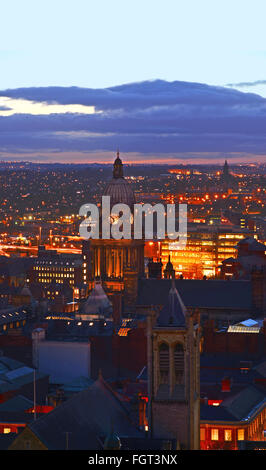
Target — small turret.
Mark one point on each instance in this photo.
(169, 272)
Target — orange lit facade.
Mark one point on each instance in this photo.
(16, 425)
(111, 259)
(207, 247)
(180, 171)
(152, 249)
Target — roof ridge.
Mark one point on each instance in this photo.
(114, 394)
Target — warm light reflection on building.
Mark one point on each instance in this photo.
(206, 248)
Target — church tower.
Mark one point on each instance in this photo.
(226, 179)
(174, 368)
(226, 169)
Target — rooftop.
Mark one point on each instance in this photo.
(174, 312)
(196, 293)
(88, 415)
(240, 407)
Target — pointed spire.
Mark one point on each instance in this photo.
(174, 311)
(226, 168)
(169, 271)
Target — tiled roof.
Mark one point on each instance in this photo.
(86, 416)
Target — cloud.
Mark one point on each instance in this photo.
(247, 84)
(134, 95)
(10, 106)
(153, 118)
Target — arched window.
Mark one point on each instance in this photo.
(179, 363)
(164, 363)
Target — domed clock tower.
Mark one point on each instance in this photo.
(118, 263)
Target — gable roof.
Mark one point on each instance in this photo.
(244, 403)
(87, 416)
(238, 407)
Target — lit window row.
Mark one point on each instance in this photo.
(225, 434)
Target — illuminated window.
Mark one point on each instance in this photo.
(7, 430)
(240, 435)
(227, 435)
(215, 434)
(202, 434)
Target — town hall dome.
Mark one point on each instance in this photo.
(118, 188)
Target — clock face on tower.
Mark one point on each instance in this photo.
(114, 219)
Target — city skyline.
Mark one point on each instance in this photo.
(169, 332)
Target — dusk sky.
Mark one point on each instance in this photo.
(174, 57)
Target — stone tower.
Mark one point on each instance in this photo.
(174, 369)
(116, 262)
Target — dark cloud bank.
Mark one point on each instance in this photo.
(153, 118)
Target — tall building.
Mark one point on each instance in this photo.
(227, 180)
(226, 169)
(50, 266)
(207, 246)
(118, 263)
(173, 365)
